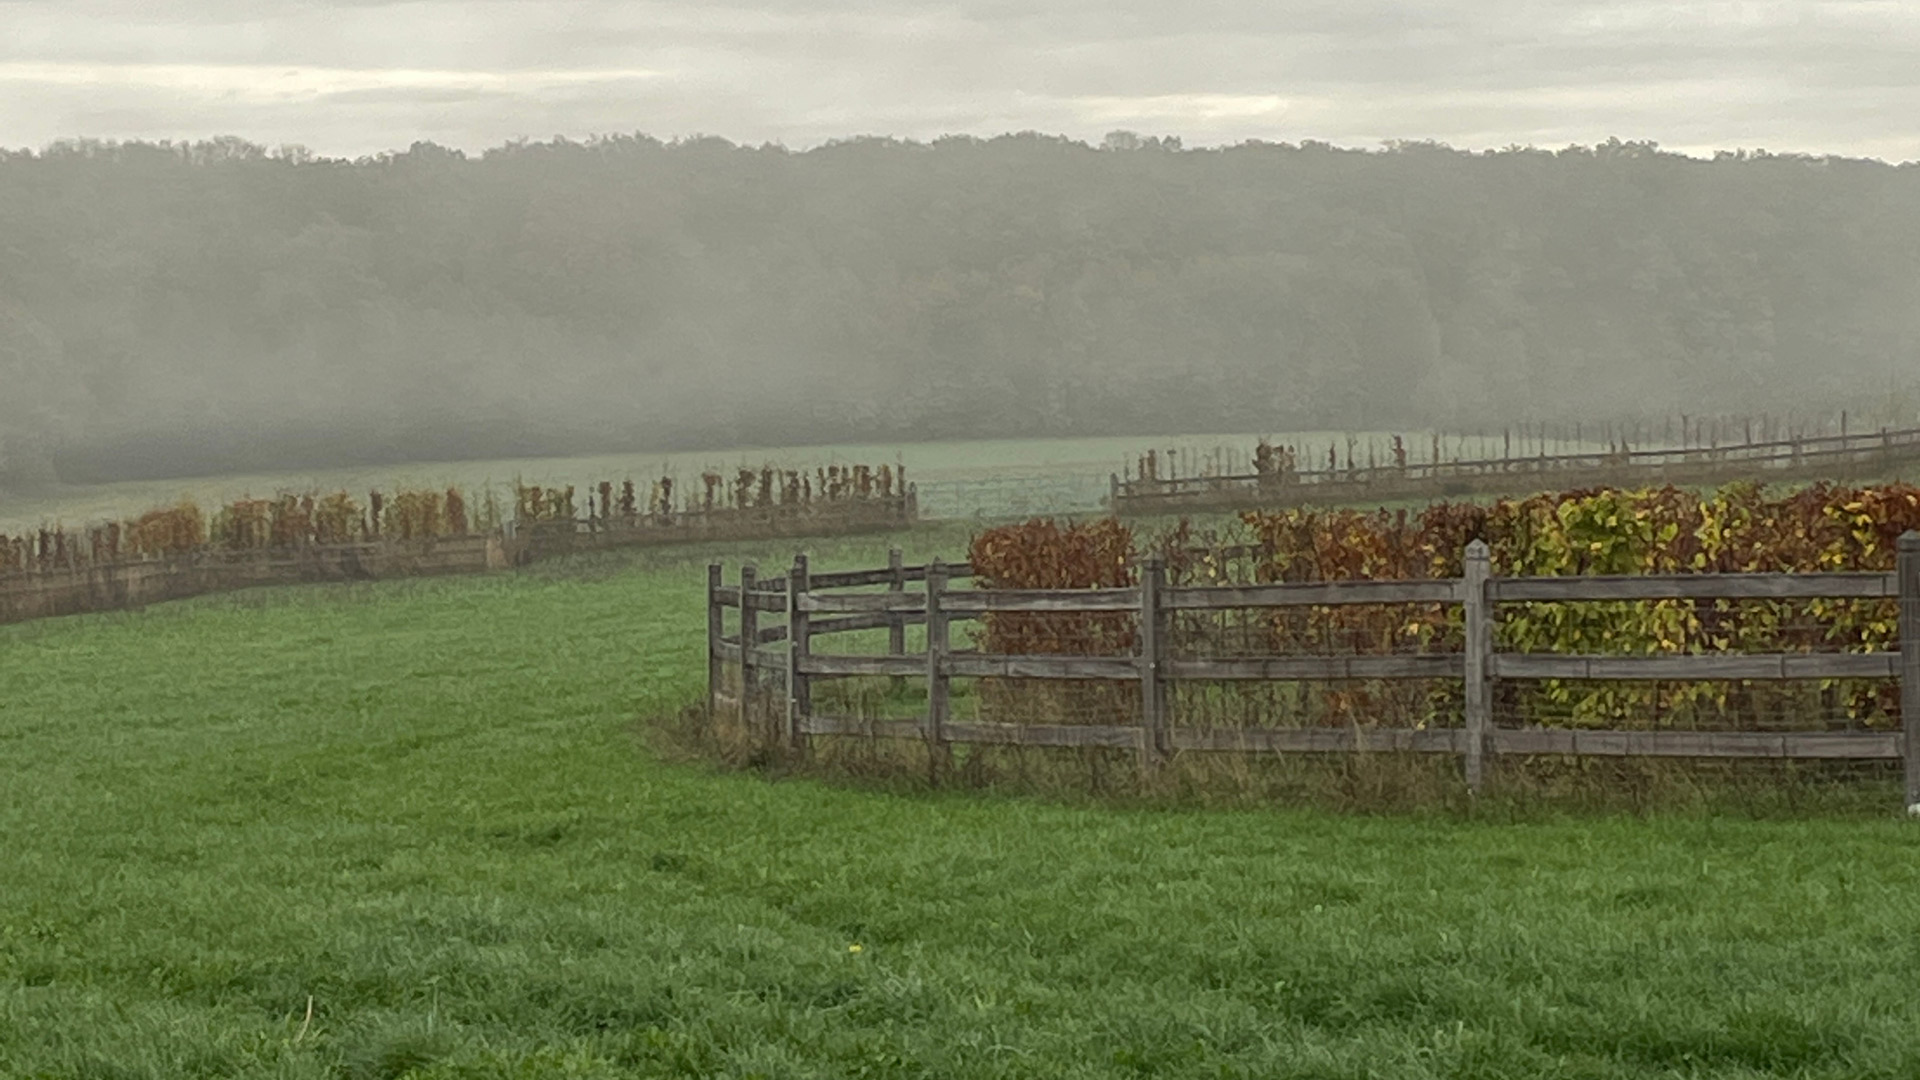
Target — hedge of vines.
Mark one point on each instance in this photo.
(284, 522)
(1739, 528)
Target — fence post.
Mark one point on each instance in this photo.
(749, 638)
(1479, 655)
(799, 693)
(937, 682)
(896, 622)
(1910, 663)
(1153, 654)
(716, 629)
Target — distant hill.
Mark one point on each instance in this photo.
(180, 308)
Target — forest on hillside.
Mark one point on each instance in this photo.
(179, 308)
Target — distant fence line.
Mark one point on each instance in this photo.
(134, 582)
(75, 583)
(531, 541)
(1281, 483)
(802, 607)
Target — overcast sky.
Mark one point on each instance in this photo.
(349, 77)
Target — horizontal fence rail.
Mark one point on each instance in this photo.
(1700, 587)
(808, 615)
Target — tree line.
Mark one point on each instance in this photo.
(176, 308)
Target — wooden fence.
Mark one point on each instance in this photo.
(531, 541)
(134, 582)
(801, 608)
(1824, 457)
(78, 583)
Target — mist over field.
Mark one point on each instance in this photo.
(177, 309)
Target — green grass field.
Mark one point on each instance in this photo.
(427, 808)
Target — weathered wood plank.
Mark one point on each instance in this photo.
(939, 688)
(799, 645)
(1477, 698)
(1300, 668)
(1708, 744)
(1117, 736)
(842, 666)
(1152, 662)
(770, 660)
(861, 603)
(1040, 600)
(896, 623)
(879, 620)
(1808, 745)
(727, 595)
(977, 666)
(1697, 587)
(1319, 740)
(1695, 668)
(1315, 593)
(749, 634)
(728, 651)
(1909, 576)
(1882, 665)
(872, 729)
(716, 631)
(766, 600)
(847, 579)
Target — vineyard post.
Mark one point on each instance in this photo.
(897, 622)
(937, 684)
(1910, 663)
(1479, 649)
(799, 644)
(716, 626)
(1152, 660)
(749, 639)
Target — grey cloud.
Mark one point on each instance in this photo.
(408, 99)
(1810, 76)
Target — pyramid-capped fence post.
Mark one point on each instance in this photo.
(1909, 572)
(1479, 659)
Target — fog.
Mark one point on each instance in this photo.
(303, 292)
(198, 308)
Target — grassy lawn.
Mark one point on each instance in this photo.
(424, 808)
